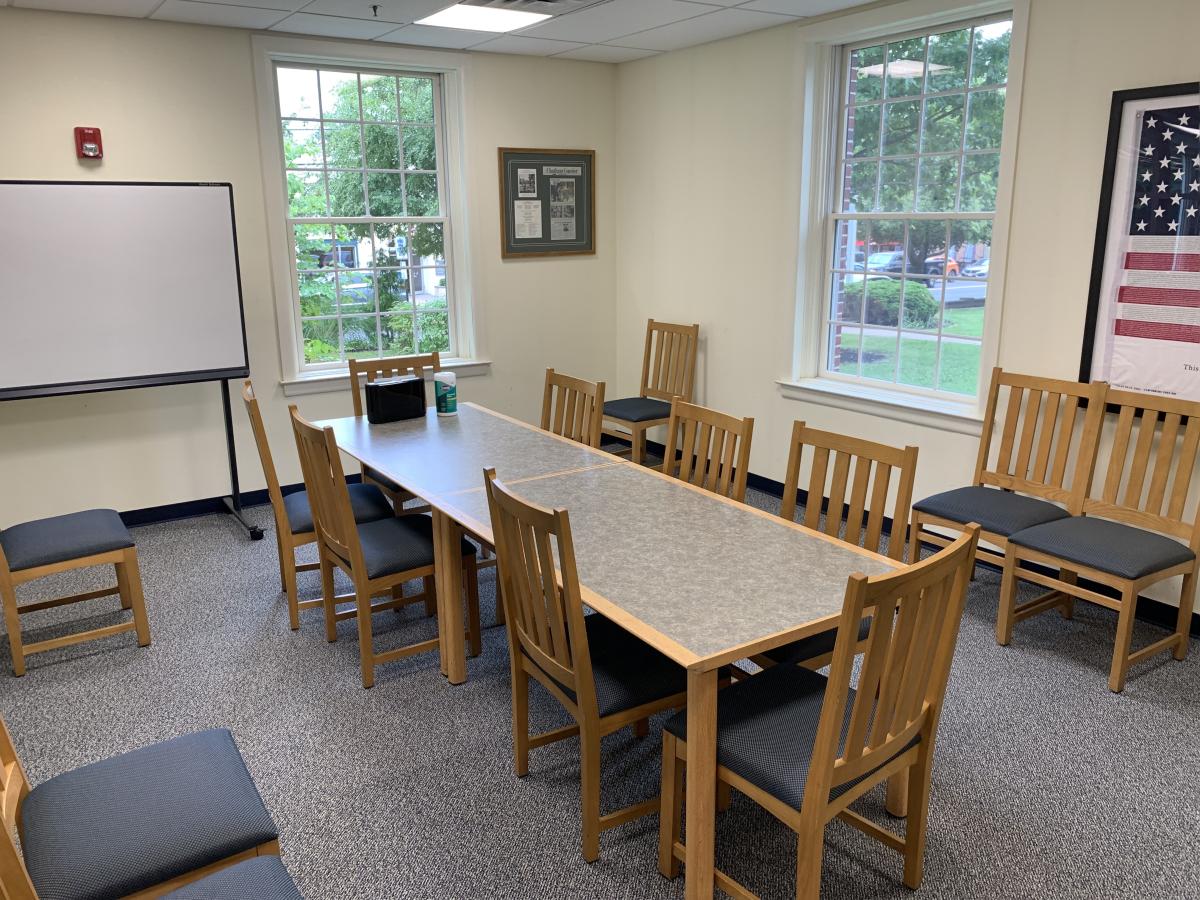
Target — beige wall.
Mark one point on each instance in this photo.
(177, 103)
(708, 151)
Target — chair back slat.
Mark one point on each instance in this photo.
(713, 449)
(390, 367)
(573, 408)
(865, 467)
(14, 787)
(328, 495)
(669, 361)
(1151, 466)
(542, 602)
(264, 452)
(915, 614)
(1039, 438)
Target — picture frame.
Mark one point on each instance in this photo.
(547, 202)
(1142, 329)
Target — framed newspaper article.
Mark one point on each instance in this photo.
(547, 202)
(1142, 331)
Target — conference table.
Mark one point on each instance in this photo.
(702, 578)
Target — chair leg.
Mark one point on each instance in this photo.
(589, 792)
(129, 582)
(724, 795)
(474, 629)
(429, 583)
(914, 538)
(287, 565)
(327, 598)
(670, 808)
(641, 727)
(520, 714)
(12, 621)
(1120, 660)
(366, 646)
(914, 834)
(1183, 625)
(1008, 599)
(1066, 576)
(637, 442)
(896, 800)
(810, 849)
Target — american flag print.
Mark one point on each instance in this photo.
(1147, 336)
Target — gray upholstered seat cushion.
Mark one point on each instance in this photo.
(379, 478)
(814, 646)
(997, 511)
(260, 878)
(399, 544)
(637, 409)
(766, 727)
(1111, 547)
(73, 536)
(628, 672)
(136, 820)
(366, 500)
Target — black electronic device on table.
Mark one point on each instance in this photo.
(393, 399)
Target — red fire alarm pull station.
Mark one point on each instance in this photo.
(87, 143)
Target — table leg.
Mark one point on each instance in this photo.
(447, 550)
(700, 807)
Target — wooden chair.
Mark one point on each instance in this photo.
(573, 408)
(866, 468)
(602, 675)
(804, 746)
(293, 513)
(139, 825)
(1033, 478)
(378, 557)
(668, 371)
(33, 550)
(1121, 540)
(366, 370)
(713, 449)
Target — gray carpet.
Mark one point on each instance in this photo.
(1046, 784)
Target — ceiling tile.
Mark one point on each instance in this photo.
(431, 36)
(803, 7)
(612, 20)
(282, 5)
(217, 14)
(333, 26)
(397, 11)
(102, 7)
(515, 43)
(714, 26)
(606, 53)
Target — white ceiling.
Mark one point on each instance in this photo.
(602, 31)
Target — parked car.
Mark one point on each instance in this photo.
(886, 261)
(977, 269)
(940, 265)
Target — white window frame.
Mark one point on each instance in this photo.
(822, 57)
(297, 378)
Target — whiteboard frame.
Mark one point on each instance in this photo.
(25, 392)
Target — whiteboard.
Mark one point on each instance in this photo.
(116, 285)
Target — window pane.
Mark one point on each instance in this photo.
(428, 244)
(356, 292)
(963, 307)
(905, 67)
(339, 95)
(306, 194)
(353, 246)
(383, 146)
(432, 332)
(980, 174)
(360, 336)
(959, 366)
(986, 121)
(386, 191)
(918, 360)
(990, 63)
(878, 354)
(948, 60)
(901, 124)
(896, 183)
(416, 99)
(927, 246)
(938, 183)
(321, 340)
(313, 246)
(847, 299)
(422, 195)
(343, 146)
(862, 138)
(882, 297)
(943, 124)
(866, 74)
(379, 98)
(346, 194)
(302, 144)
(863, 182)
(391, 245)
(398, 334)
(297, 93)
(844, 348)
(429, 288)
(419, 151)
(317, 297)
(391, 285)
(851, 240)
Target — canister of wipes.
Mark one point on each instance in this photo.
(445, 393)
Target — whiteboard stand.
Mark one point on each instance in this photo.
(233, 502)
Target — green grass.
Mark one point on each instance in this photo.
(918, 363)
(963, 321)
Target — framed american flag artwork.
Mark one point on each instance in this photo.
(1142, 330)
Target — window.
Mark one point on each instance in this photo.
(918, 161)
(367, 216)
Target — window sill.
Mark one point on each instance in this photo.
(945, 415)
(323, 382)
